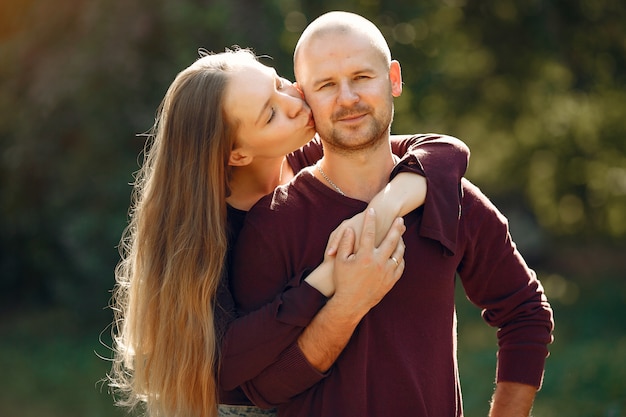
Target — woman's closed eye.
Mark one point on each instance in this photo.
(272, 114)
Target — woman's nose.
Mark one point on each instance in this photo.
(292, 90)
(293, 102)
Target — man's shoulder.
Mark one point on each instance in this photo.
(284, 199)
(477, 208)
(419, 138)
(472, 194)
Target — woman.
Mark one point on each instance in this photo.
(202, 171)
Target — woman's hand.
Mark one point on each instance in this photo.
(344, 247)
(355, 224)
(363, 277)
(403, 194)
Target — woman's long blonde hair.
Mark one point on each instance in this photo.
(173, 251)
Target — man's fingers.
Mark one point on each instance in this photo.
(391, 241)
(398, 255)
(399, 270)
(368, 235)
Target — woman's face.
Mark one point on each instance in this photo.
(271, 116)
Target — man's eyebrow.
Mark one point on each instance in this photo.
(365, 70)
(321, 80)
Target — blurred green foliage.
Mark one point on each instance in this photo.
(535, 87)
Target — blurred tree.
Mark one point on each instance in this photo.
(68, 113)
(536, 88)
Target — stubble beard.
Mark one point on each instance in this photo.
(350, 141)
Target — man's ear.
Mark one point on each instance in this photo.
(395, 75)
(238, 158)
(299, 90)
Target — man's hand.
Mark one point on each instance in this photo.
(361, 280)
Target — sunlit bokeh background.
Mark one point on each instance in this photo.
(536, 88)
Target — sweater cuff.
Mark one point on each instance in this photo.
(524, 366)
(296, 371)
(408, 163)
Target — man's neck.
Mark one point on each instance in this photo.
(359, 175)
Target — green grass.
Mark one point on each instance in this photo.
(51, 368)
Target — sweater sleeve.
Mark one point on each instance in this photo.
(443, 160)
(290, 375)
(258, 274)
(251, 340)
(497, 279)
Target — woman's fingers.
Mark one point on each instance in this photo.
(333, 240)
(345, 246)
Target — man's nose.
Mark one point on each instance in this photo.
(347, 94)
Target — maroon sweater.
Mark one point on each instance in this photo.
(268, 335)
(401, 359)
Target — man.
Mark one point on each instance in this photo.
(401, 359)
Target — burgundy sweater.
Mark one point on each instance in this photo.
(401, 360)
(268, 335)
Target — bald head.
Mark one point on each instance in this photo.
(342, 23)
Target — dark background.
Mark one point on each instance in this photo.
(535, 88)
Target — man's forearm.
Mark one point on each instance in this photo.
(323, 340)
(362, 280)
(512, 399)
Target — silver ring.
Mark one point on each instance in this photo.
(395, 260)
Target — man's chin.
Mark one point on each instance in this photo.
(355, 141)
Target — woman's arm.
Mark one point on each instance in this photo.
(407, 189)
(250, 342)
(360, 279)
(404, 193)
